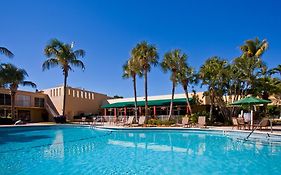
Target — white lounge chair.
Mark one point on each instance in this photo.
(141, 121)
(130, 121)
(201, 122)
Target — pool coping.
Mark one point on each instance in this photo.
(118, 128)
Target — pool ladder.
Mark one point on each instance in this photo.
(255, 128)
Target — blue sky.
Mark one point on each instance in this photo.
(107, 30)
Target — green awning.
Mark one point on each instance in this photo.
(166, 102)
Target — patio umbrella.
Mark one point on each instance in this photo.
(251, 101)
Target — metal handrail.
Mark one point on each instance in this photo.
(255, 128)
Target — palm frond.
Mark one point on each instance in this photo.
(28, 83)
(52, 62)
(6, 52)
(77, 63)
(79, 53)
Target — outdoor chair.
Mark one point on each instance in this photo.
(241, 123)
(201, 122)
(83, 120)
(185, 122)
(234, 122)
(130, 121)
(237, 123)
(264, 123)
(141, 121)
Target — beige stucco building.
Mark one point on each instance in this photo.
(44, 105)
(30, 106)
(78, 101)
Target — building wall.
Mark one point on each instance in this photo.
(36, 113)
(77, 100)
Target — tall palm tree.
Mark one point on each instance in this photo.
(212, 74)
(251, 62)
(6, 52)
(62, 54)
(12, 77)
(130, 70)
(173, 61)
(147, 55)
(186, 76)
(254, 48)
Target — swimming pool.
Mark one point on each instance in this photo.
(82, 150)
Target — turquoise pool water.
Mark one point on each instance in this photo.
(81, 150)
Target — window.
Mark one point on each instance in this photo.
(82, 94)
(5, 99)
(39, 102)
(23, 100)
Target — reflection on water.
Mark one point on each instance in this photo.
(190, 143)
(162, 142)
(56, 149)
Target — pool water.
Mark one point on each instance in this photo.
(82, 150)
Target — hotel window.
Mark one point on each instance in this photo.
(5, 99)
(77, 94)
(39, 102)
(82, 94)
(23, 100)
(86, 95)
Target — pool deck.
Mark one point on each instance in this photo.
(276, 130)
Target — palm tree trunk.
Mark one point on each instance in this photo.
(145, 92)
(172, 99)
(212, 106)
(187, 100)
(64, 93)
(135, 95)
(13, 100)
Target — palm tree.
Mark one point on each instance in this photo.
(251, 62)
(130, 70)
(212, 74)
(276, 70)
(12, 77)
(254, 48)
(186, 76)
(63, 55)
(147, 55)
(173, 61)
(6, 52)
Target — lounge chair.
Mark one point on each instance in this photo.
(83, 120)
(238, 124)
(130, 121)
(141, 121)
(241, 123)
(201, 122)
(264, 123)
(234, 122)
(185, 122)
